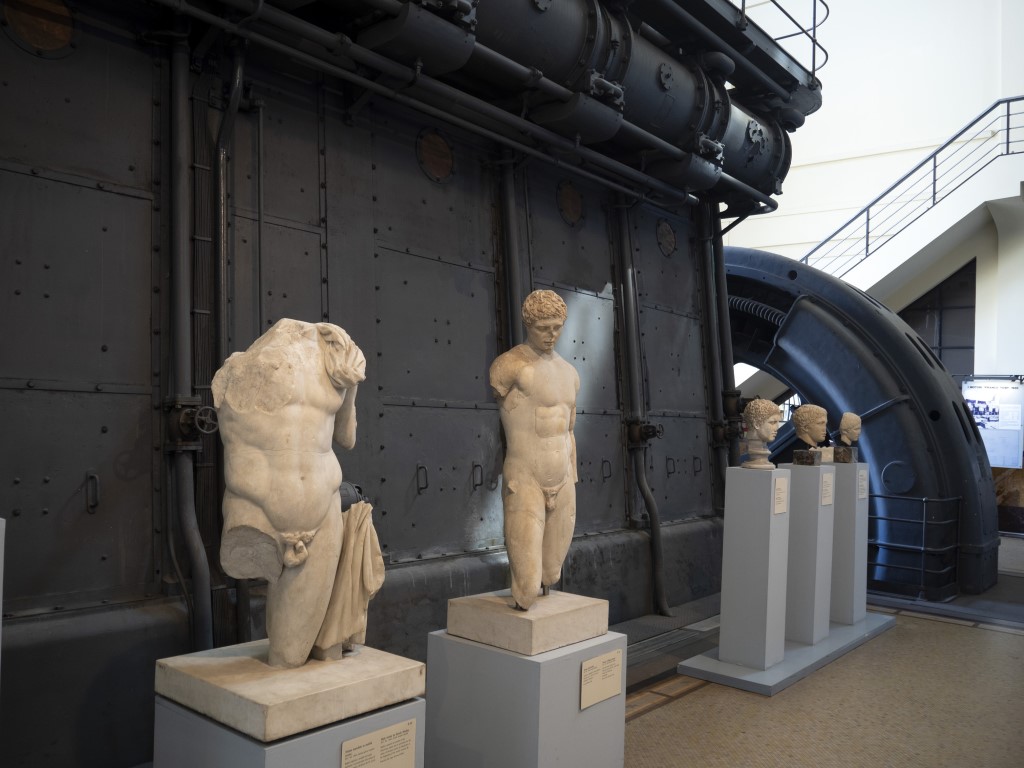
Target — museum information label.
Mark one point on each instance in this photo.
(391, 747)
(827, 488)
(781, 496)
(601, 678)
(862, 484)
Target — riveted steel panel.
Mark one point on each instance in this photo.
(588, 343)
(679, 467)
(72, 114)
(674, 360)
(77, 496)
(291, 154)
(435, 329)
(666, 274)
(563, 252)
(420, 206)
(439, 489)
(288, 267)
(78, 292)
(600, 494)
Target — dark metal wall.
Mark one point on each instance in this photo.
(342, 206)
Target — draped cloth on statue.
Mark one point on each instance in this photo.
(360, 575)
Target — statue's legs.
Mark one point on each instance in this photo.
(561, 522)
(524, 538)
(297, 602)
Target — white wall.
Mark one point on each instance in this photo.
(902, 77)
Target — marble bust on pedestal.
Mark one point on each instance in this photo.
(811, 425)
(849, 434)
(536, 393)
(281, 404)
(762, 419)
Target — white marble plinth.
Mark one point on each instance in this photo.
(809, 576)
(554, 621)
(234, 686)
(754, 567)
(490, 707)
(800, 659)
(850, 544)
(184, 739)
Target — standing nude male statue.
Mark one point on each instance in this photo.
(536, 391)
(281, 404)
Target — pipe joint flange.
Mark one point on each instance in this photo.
(640, 432)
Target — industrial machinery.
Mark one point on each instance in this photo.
(177, 175)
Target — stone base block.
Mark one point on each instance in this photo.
(554, 621)
(395, 735)
(234, 686)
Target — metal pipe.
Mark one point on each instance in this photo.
(636, 406)
(334, 42)
(718, 43)
(657, 569)
(513, 268)
(181, 286)
(220, 185)
(730, 395)
(675, 195)
(709, 214)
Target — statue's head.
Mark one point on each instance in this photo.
(810, 423)
(343, 360)
(544, 314)
(763, 418)
(849, 428)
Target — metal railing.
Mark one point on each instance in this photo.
(996, 132)
(774, 18)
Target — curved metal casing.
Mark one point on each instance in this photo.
(840, 349)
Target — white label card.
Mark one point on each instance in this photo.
(601, 678)
(781, 504)
(827, 486)
(391, 747)
(862, 484)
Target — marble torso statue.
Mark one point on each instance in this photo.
(281, 404)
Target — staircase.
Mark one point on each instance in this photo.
(995, 133)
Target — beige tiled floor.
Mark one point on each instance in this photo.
(928, 693)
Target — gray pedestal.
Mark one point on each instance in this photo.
(850, 544)
(754, 563)
(801, 659)
(809, 577)
(491, 707)
(185, 739)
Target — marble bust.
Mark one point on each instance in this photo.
(536, 393)
(281, 404)
(762, 419)
(849, 428)
(811, 424)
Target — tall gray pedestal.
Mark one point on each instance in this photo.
(754, 564)
(185, 739)
(850, 544)
(490, 707)
(809, 577)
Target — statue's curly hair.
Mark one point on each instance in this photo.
(759, 411)
(543, 304)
